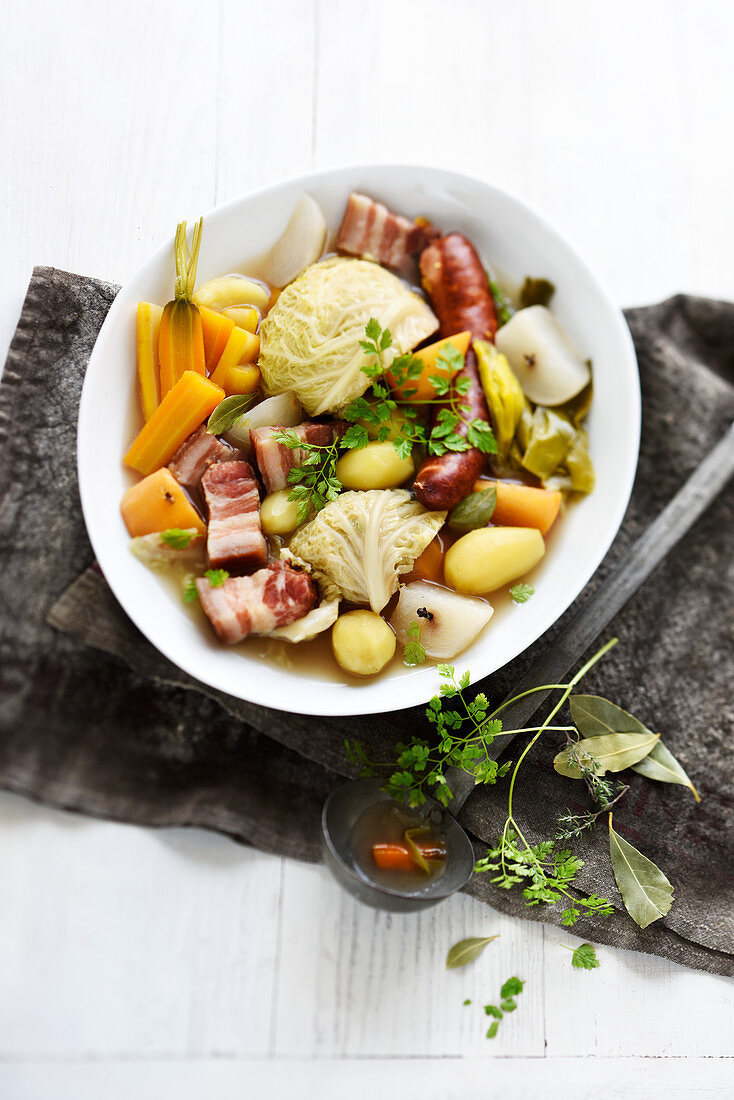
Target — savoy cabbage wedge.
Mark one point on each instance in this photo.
(360, 543)
(310, 339)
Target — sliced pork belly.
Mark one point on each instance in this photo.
(272, 597)
(195, 455)
(274, 460)
(370, 230)
(234, 536)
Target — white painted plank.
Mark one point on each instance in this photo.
(263, 98)
(409, 1079)
(116, 940)
(105, 148)
(353, 981)
(611, 122)
(642, 1005)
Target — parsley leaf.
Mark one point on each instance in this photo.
(521, 593)
(501, 304)
(413, 652)
(492, 1030)
(190, 591)
(492, 1010)
(177, 538)
(583, 957)
(216, 577)
(511, 988)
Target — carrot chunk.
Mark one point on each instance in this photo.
(523, 505)
(422, 385)
(392, 857)
(217, 330)
(148, 326)
(158, 503)
(241, 347)
(182, 410)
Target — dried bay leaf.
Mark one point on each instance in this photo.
(646, 892)
(473, 511)
(466, 951)
(595, 716)
(227, 411)
(660, 764)
(610, 752)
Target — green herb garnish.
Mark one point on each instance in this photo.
(314, 482)
(583, 957)
(502, 305)
(216, 577)
(521, 593)
(413, 651)
(492, 1010)
(190, 591)
(177, 538)
(492, 1030)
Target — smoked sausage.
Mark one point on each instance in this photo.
(458, 287)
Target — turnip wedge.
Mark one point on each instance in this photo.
(448, 622)
(300, 244)
(543, 359)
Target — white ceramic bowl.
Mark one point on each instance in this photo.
(509, 236)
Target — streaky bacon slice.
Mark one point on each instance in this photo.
(195, 455)
(370, 230)
(272, 597)
(234, 535)
(274, 459)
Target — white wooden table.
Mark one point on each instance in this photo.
(176, 964)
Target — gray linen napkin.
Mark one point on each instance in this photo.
(95, 719)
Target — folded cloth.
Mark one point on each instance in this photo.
(94, 719)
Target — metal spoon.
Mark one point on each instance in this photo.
(346, 804)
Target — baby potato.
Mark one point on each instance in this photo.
(485, 559)
(231, 290)
(278, 515)
(362, 642)
(376, 466)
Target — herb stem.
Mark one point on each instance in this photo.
(567, 689)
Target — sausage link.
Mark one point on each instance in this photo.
(458, 287)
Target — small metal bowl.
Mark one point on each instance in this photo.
(342, 810)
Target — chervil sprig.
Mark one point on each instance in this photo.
(314, 482)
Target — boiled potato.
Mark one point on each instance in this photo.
(278, 515)
(489, 557)
(376, 466)
(362, 642)
(232, 290)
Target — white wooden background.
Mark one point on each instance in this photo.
(176, 964)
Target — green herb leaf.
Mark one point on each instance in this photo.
(492, 1010)
(660, 764)
(583, 957)
(612, 752)
(466, 951)
(473, 511)
(511, 988)
(413, 651)
(216, 577)
(501, 303)
(177, 538)
(227, 411)
(521, 593)
(646, 892)
(492, 1030)
(508, 1005)
(190, 591)
(467, 1001)
(536, 292)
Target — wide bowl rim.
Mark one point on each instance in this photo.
(370, 698)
